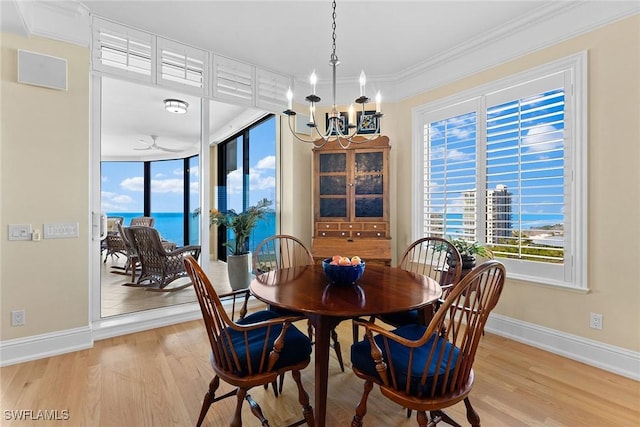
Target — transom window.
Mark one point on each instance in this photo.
(504, 165)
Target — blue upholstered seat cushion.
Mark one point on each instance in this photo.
(403, 318)
(361, 359)
(297, 346)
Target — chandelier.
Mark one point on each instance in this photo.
(340, 129)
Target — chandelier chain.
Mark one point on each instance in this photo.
(333, 28)
(342, 128)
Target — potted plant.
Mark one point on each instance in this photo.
(468, 251)
(241, 224)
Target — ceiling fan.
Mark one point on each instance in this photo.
(154, 145)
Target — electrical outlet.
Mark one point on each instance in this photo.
(17, 318)
(595, 321)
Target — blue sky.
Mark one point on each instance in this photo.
(122, 182)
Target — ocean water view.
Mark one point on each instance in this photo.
(170, 226)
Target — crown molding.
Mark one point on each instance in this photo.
(67, 21)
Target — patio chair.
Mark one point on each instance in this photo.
(143, 221)
(429, 368)
(158, 266)
(250, 352)
(113, 243)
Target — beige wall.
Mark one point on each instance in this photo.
(613, 189)
(44, 178)
(44, 155)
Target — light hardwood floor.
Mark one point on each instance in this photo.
(159, 377)
(116, 299)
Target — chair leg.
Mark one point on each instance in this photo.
(208, 399)
(361, 409)
(423, 420)
(438, 416)
(303, 398)
(281, 383)
(354, 332)
(336, 347)
(256, 410)
(472, 415)
(236, 421)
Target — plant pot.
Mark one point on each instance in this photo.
(239, 269)
(468, 262)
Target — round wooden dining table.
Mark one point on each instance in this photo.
(380, 290)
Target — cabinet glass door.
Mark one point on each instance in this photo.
(333, 185)
(369, 185)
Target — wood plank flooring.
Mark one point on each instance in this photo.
(158, 378)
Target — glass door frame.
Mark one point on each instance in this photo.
(147, 319)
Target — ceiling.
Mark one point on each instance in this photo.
(394, 42)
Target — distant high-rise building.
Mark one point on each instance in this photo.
(498, 213)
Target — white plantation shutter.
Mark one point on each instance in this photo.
(122, 51)
(450, 164)
(525, 169)
(182, 66)
(505, 164)
(233, 81)
(272, 90)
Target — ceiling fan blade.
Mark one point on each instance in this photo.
(170, 150)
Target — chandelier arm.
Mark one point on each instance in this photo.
(307, 141)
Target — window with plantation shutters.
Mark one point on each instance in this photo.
(182, 66)
(233, 81)
(122, 51)
(272, 90)
(505, 165)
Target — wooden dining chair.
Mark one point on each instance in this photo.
(430, 256)
(284, 251)
(249, 352)
(430, 368)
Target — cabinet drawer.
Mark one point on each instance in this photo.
(374, 226)
(324, 226)
(332, 233)
(350, 226)
(367, 249)
(380, 233)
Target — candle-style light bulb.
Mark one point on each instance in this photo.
(313, 79)
(378, 101)
(363, 82)
(289, 98)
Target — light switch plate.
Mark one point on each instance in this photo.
(60, 230)
(19, 231)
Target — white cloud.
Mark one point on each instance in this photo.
(542, 138)
(194, 171)
(112, 202)
(133, 184)
(268, 162)
(167, 185)
(178, 172)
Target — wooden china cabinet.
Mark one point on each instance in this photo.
(351, 201)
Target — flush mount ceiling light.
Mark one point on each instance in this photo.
(336, 129)
(176, 106)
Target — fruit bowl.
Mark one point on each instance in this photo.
(342, 274)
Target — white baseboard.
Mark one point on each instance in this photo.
(35, 347)
(46, 345)
(608, 357)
